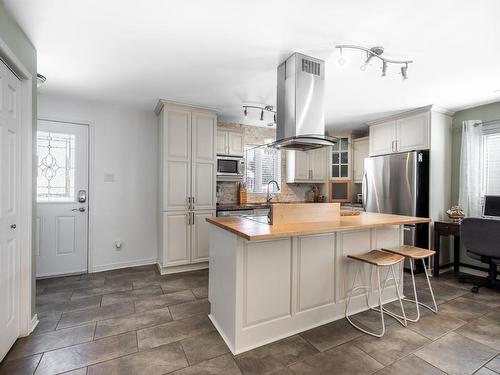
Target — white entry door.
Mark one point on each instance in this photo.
(10, 186)
(62, 198)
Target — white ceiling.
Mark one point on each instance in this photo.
(222, 53)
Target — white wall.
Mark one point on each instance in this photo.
(125, 144)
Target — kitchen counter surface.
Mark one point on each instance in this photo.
(254, 231)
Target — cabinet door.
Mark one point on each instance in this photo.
(204, 127)
(360, 152)
(317, 160)
(413, 133)
(176, 239)
(222, 142)
(200, 236)
(302, 166)
(382, 137)
(235, 144)
(176, 159)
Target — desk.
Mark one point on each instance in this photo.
(446, 228)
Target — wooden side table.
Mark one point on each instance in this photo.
(446, 228)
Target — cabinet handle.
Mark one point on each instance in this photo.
(192, 218)
(392, 146)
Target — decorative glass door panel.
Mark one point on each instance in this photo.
(340, 159)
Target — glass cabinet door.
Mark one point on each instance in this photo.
(340, 159)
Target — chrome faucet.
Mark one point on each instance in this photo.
(269, 198)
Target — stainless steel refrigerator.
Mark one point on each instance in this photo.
(399, 184)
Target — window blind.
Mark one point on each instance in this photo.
(491, 164)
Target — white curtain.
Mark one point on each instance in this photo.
(471, 168)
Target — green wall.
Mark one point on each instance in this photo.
(21, 46)
(485, 112)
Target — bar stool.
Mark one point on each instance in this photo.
(378, 259)
(413, 254)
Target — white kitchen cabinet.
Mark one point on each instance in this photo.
(409, 132)
(340, 158)
(200, 236)
(230, 142)
(176, 249)
(382, 138)
(188, 141)
(185, 237)
(360, 150)
(222, 142)
(318, 165)
(413, 133)
(306, 166)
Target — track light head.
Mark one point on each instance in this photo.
(404, 71)
(261, 115)
(245, 112)
(274, 118)
(384, 68)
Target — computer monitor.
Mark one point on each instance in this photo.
(491, 207)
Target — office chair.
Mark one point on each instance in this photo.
(481, 239)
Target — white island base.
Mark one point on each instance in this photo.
(263, 291)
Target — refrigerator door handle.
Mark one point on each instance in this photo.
(363, 190)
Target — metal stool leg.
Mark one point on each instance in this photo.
(400, 318)
(379, 298)
(416, 301)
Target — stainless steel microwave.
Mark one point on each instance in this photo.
(230, 168)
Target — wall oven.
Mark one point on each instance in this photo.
(230, 168)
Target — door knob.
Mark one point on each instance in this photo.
(13, 226)
(81, 209)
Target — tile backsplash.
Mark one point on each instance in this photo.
(227, 192)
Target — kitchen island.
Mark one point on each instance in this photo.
(267, 282)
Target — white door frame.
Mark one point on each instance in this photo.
(27, 322)
(90, 192)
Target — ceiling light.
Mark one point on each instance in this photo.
(274, 118)
(341, 60)
(261, 108)
(245, 112)
(404, 72)
(40, 80)
(384, 68)
(376, 52)
(262, 115)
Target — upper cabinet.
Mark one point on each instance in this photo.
(230, 142)
(340, 158)
(306, 166)
(409, 132)
(360, 151)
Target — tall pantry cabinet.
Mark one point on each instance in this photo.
(187, 184)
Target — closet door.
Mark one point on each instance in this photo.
(204, 130)
(176, 159)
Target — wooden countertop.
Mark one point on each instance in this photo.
(254, 231)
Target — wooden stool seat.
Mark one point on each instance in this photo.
(378, 258)
(411, 252)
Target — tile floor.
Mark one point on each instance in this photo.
(134, 321)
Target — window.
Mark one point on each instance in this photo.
(340, 159)
(262, 165)
(491, 162)
(56, 167)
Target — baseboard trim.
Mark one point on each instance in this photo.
(33, 324)
(115, 266)
(182, 268)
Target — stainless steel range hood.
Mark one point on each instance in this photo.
(301, 104)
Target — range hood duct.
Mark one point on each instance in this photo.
(301, 104)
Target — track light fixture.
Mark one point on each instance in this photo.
(375, 52)
(262, 108)
(404, 71)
